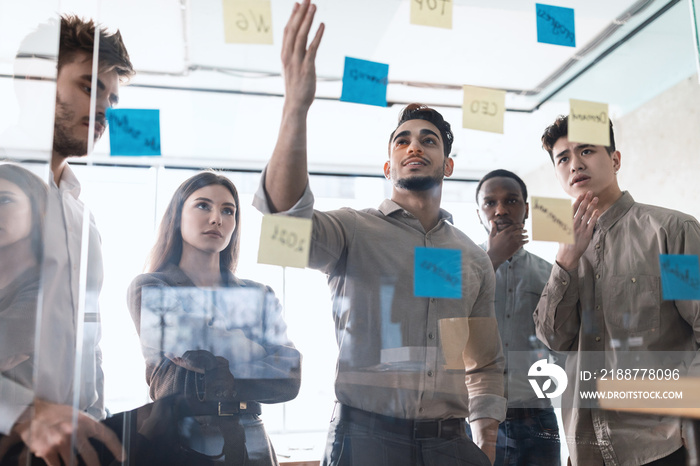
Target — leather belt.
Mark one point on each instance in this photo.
(223, 408)
(415, 429)
(525, 413)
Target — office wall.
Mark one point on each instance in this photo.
(660, 146)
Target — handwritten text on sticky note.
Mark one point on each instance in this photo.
(680, 276)
(436, 13)
(483, 109)
(555, 25)
(589, 122)
(247, 21)
(284, 241)
(552, 220)
(437, 273)
(134, 131)
(364, 82)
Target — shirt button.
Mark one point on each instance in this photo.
(564, 282)
(597, 308)
(597, 246)
(431, 336)
(430, 373)
(420, 410)
(597, 276)
(507, 316)
(597, 338)
(432, 300)
(510, 290)
(634, 280)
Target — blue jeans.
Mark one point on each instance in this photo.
(350, 443)
(528, 437)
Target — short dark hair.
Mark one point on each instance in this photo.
(78, 36)
(560, 128)
(505, 174)
(417, 111)
(168, 247)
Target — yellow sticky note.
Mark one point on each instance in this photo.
(247, 21)
(483, 109)
(552, 219)
(436, 13)
(284, 241)
(589, 122)
(454, 333)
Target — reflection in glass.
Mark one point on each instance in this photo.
(215, 345)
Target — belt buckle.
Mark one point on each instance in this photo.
(418, 431)
(231, 411)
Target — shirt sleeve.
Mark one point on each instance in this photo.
(688, 242)
(332, 231)
(14, 399)
(483, 356)
(557, 317)
(303, 208)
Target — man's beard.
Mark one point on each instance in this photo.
(418, 183)
(63, 143)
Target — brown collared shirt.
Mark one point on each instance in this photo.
(614, 301)
(401, 355)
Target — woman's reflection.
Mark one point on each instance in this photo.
(213, 343)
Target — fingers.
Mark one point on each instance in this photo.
(494, 229)
(290, 30)
(308, 10)
(313, 47)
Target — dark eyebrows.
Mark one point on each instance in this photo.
(212, 202)
(562, 153)
(114, 98)
(423, 132)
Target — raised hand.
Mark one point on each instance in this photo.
(287, 171)
(298, 61)
(585, 217)
(503, 244)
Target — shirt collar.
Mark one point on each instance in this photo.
(616, 211)
(388, 207)
(69, 182)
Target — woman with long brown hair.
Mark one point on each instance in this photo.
(214, 344)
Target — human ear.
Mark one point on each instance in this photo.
(448, 167)
(387, 170)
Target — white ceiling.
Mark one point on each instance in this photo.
(179, 47)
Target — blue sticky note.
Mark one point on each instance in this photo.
(555, 25)
(680, 276)
(134, 131)
(437, 273)
(364, 82)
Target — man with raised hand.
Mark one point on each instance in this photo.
(405, 404)
(67, 373)
(604, 296)
(530, 434)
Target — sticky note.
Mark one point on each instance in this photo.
(552, 219)
(284, 241)
(589, 122)
(483, 109)
(437, 273)
(680, 276)
(436, 13)
(364, 82)
(454, 334)
(555, 25)
(134, 131)
(247, 21)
